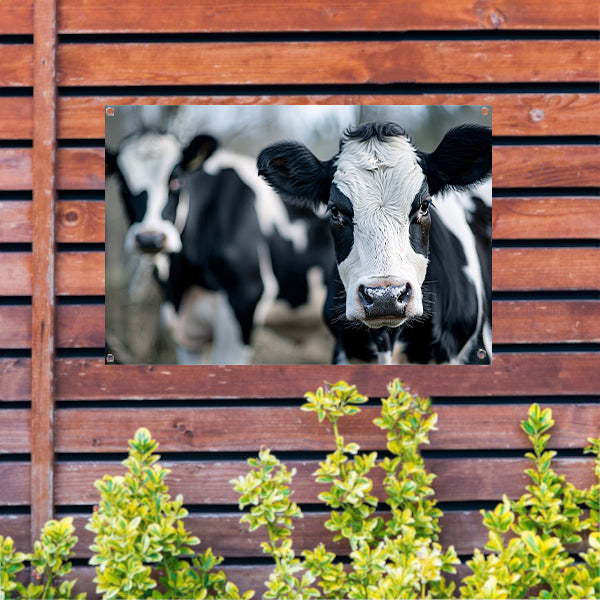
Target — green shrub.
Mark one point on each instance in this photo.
(400, 557)
(50, 561)
(141, 548)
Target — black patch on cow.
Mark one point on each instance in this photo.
(463, 158)
(296, 174)
(341, 216)
(136, 206)
(219, 244)
(170, 210)
(449, 300)
(291, 266)
(420, 221)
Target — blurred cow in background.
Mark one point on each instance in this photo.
(228, 253)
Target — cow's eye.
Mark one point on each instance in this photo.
(424, 209)
(335, 213)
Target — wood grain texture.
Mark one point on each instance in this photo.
(80, 169)
(44, 254)
(534, 374)
(77, 274)
(15, 225)
(546, 166)
(545, 269)
(17, 118)
(513, 114)
(80, 221)
(539, 218)
(296, 15)
(530, 374)
(15, 432)
(76, 221)
(77, 326)
(16, 67)
(226, 63)
(289, 429)
(539, 322)
(15, 169)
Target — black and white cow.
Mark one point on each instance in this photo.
(227, 251)
(418, 276)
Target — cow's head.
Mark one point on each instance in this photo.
(378, 190)
(149, 164)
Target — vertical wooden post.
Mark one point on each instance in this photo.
(42, 357)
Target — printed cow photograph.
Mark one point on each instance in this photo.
(298, 235)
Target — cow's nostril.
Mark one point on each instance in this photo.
(403, 293)
(365, 297)
(150, 241)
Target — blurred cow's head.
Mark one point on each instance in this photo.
(149, 164)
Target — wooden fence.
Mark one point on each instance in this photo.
(65, 416)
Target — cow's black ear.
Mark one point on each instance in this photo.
(463, 158)
(110, 162)
(296, 174)
(197, 151)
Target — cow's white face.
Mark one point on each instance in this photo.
(146, 163)
(378, 192)
(381, 184)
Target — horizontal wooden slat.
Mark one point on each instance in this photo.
(80, 273)
(290, 429)
(514, 322)
(77, 326)
(513, 218)
(514, 269)
(16, 222)
(229, 538)
(80, 169)
(459, 479)
(17, 121)
(16, 67)
(545, 218)
(538, 322)
(513, 114)
(237, 63)
(16, 488)
(514, 166)
(15, 432)
(16, 17)
(15, 169)
(205, 483)
(77, 274)
(76, 221)
(80, 221)
(16, 274)
(299, 15)
(529, 374)
(546, 166)
(545, 269)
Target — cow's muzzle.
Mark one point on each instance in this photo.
(385, 302)
(150, 242)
